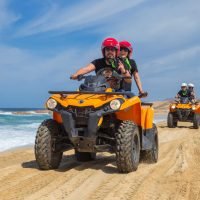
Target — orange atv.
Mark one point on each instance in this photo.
(97, 119)
(183, 110)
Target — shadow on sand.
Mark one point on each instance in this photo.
(165, 126)
(104, 163)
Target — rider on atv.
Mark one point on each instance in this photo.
(126, 51)
(191, 89)
(110, 50)
(184, 93)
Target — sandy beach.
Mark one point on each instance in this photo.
(175, 176)
(73, 69)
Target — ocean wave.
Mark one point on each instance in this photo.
(32, 125)
(18, 130)
(20, 113)
(160, 118)
(20, 127)
(5, 113)
(11, 138)
(38, 113)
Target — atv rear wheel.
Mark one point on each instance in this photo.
(84, 156)
(196, 121)
(151, 156)
(175, 123)
(44, 154)
(127, 147)
(170, 120)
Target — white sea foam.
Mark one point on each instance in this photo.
(33, 125)
(36, 113)
(12, 138)
(18, 135)
(5, 113)
(19, 128)
(160, 118)
(24, 113)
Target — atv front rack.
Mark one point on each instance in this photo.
(147, 104)
(92, 92)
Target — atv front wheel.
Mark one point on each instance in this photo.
(170, 120)
(44, 154)
(127, 147)
(196, 121)
(151, 156)
(84, 156)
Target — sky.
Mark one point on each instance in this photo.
(43, 42)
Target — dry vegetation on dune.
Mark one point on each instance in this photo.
(161, 107)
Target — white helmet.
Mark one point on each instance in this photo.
(184, 85)
(191, 85)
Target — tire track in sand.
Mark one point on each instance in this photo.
(175, 176)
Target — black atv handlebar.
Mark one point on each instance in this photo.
(79, 77)
(143, 95)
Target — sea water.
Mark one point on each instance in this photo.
(160, 118)
(19, 129)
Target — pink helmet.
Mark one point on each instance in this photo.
(110, 42)
(126, 44)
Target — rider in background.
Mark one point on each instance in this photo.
(126, 51)
(184, 92)
(191, 90)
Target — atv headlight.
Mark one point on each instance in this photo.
(173, 107)
(193, 108)
(115, 104)
(51, 103)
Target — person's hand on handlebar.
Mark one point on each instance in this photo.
(77, 77)
(143, 94)
(74, 77)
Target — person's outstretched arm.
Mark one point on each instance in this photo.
(138, 81)
(178, 95)
(84, 70)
